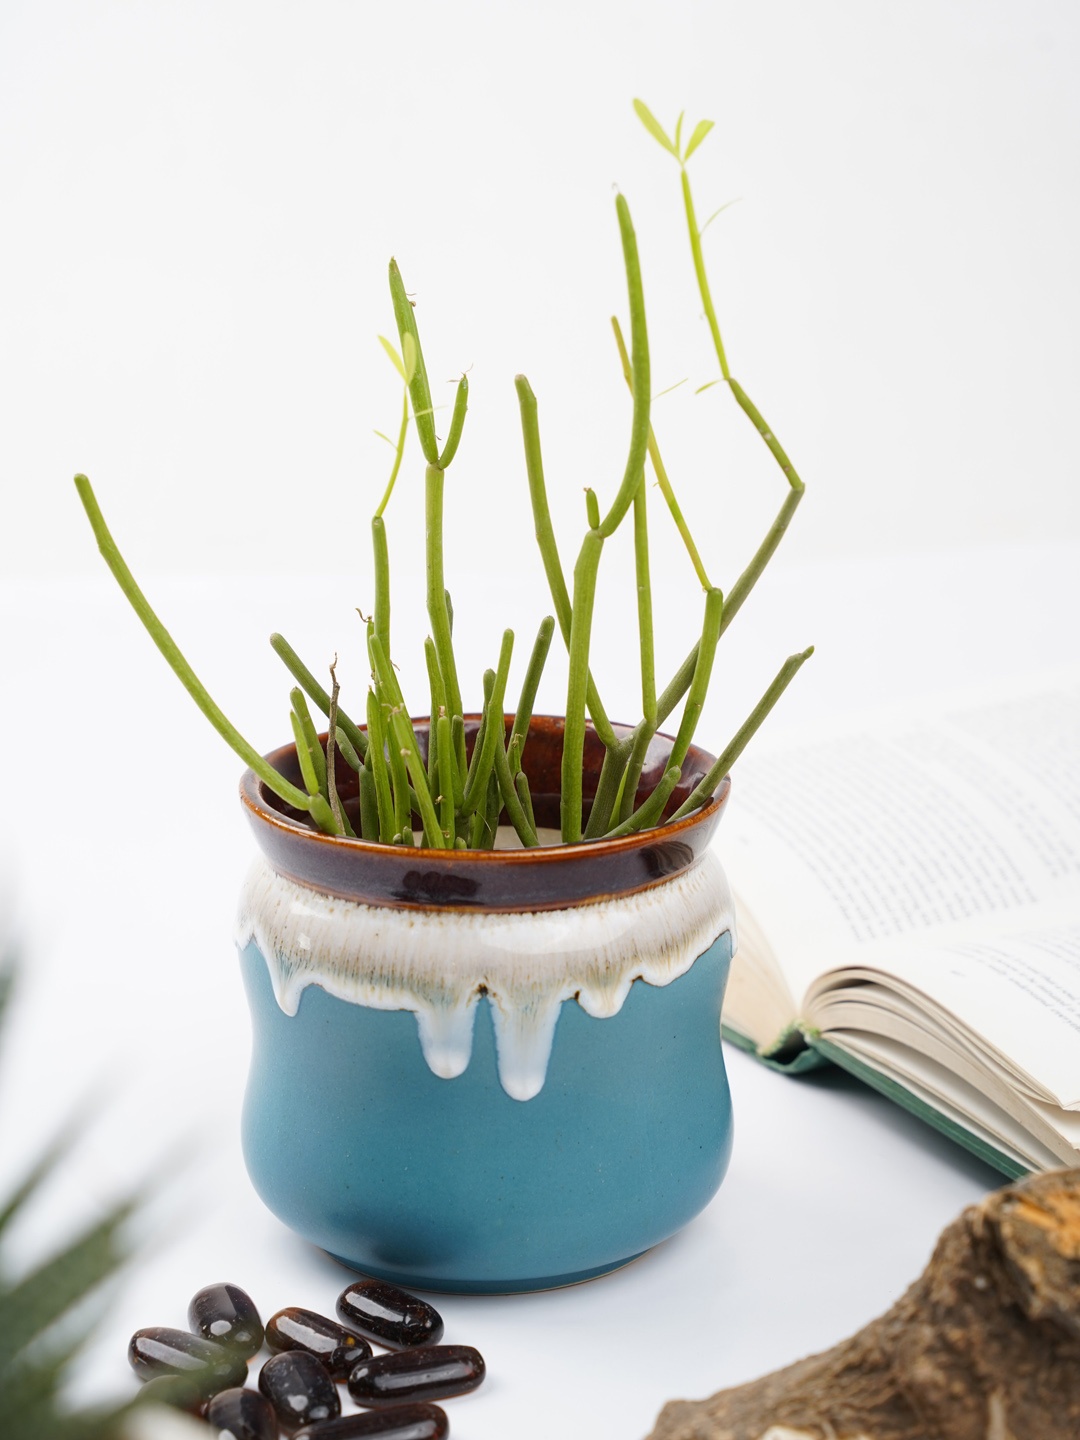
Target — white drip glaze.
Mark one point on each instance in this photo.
(438, 963)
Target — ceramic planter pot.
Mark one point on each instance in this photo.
(487, 1071)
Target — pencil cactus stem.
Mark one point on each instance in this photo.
(515, 811)
(110, 553)
(531, 683)
(702, 276)
(436, 588)
(607, 789)
(699, 684)
(419, 389)
(627, 797)
(639, 351)
(549, 550)
(745, 733)
(370, 824)
(585, 572)
(457, 423)
(347, 751)
(314, 691)
(650, 810)
(494, 730)
(382, 581)
(660, 471)
(776, 450)
(399, 451)
(592, 508)
(311, 740)
(376, 760)
(478, 742)
(438, 705)
(644, 603)
(331, 749)
(446, 778)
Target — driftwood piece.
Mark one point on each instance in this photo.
(984, 1346)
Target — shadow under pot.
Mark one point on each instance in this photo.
(487, 1071)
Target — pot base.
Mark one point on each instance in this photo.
(441, 1286)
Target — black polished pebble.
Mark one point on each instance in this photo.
(161, 1351)
(300, 1390)
(338, 1349)
(399, 1422)
(429, 1373)
(389, 1316)
(227, 1315)
(176, 1391)
(242, 1415)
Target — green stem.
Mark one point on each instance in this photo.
(311, 740)
(457, 739)
(494, 732)
(370, 823)
(585, 573)
(660, 470)
(744, 734)
(639, 345)
(776, 450)
(702, 277)
(436, 589)
(607, 789)
(649, 812)
(331, 767)
(419, 389)
(699, 685)
(438, 706)
(592, 508)
(531, 683)
(315, 691)
(643, 734)
(291, 794)
(376, 759)
(515, 811)
(446, 779)
(549, 550)
(457, 423)
(644, 599)
(399, 451)
(347, 752)
(481, 731)
(382, 581)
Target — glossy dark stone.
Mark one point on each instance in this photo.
(300, 1390)
(429, 1373)
(161, 1351)
(389, 1316)
(227, 1315)
(242, 1415)
(399, 1422)
(338, 1349)
(176, 1391)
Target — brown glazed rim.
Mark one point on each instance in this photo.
(544, 878)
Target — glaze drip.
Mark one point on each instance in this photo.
(439, 963)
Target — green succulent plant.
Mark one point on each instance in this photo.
(455, 799)
(38, 1340)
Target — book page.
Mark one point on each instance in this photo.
(924, 827)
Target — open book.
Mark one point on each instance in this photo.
(908, 901)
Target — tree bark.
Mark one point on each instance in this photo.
(984, 1346)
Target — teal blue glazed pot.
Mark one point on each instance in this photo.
(487, 1071)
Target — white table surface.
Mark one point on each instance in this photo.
(834, 1197)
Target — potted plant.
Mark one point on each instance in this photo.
(486, 951)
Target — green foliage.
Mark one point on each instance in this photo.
(456, 799)
(37, 1343)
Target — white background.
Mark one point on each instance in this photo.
(199, 204)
